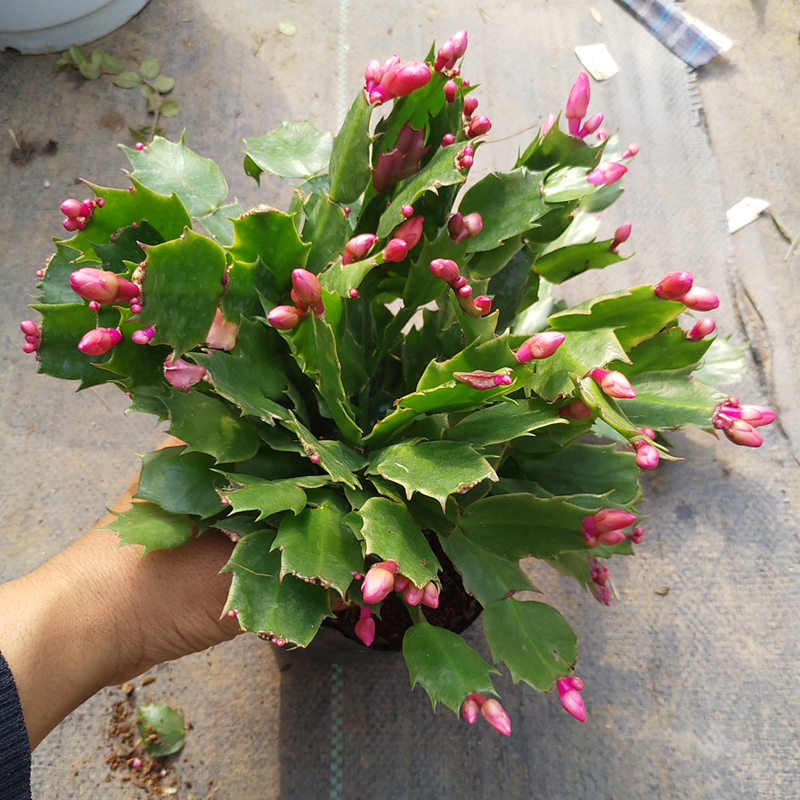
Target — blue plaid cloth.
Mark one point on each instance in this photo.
(672, 28)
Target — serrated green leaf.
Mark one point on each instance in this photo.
(124, 246)
(668, 350)
(568, 183)
(558, 147)
(564, 263)
(723, 364)
(182, 285)
(327, 229)
(532, 639)
(54, 285)
(268, 497)
(391, 533)
(171, 108)
(607, 407)
(150, 69)
(149, 525)
(341, 278)
(445, 666)
(488, 356)
(514, 526)
(422, 285)
(166, 723)
(318, 547)
(291, 609)
(127, 80)
(552, 439)
(207, 425)
(180, 482)
(163, 84)
(435, 469)
(136, 366)
(573, 565)
(294, 150)
(487, 263)
(486, 576)
(218, 223)
(349, 163)
(509, 203)
(167, 167)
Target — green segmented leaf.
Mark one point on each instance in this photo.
(608, 408)
(54, 285)
(486, 576)
(133, 365)
(723, 364)
(182, 286)
(125, 246)
(341, 278)
(268, 497)
(250, 292)
(318, 547)
(564, 263)
(219, 224)
(422, 285)
(445, 666)
(327, 229)
(532, 639)
(558, 147)
(349, 165)
(149, 525)
(668, 350)
(391, 533)
(291, 609)
(180, 482)
(568, 183)
(166, 723)
(573, 565)
(294, 150)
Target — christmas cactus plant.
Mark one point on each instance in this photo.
(379, 399)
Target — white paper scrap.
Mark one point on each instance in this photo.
(745, 212)
(597, 60)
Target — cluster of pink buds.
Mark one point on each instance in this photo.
(605, 527)
(32, 335)
(143, 336)
(460, 227)
(575, 409)
(613, 383)
(99, 341)
(466, 157)
(577, 106)
(383, 578)
(606, 173)
(306, 293)
(739, 422)
(540, 345)
(621, 235)
(447, 270)
(599, 586)
(569, 693)
(647, 456)
(405, 238)
(402, 161)
(679, 286)
(393, 78)
(490, 709)
(637, 537)
(77, 213)
(453, 49)
(358, 247)
(102, 287)
(181, 374)
(221, 335)
(365, 627)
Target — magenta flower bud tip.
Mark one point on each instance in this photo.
(284, 318)
(71, 224)
(40, 273)
(700, 299)
(377, 584)
(100, 202)
(606, 173)
(353, 293)
(614, 384)
(99, 341)
(413, 594)
(478, 126)
(572, 703)
(611, 537)
(470, 104)
(459, 41)
(86, 209)
(365, 627)
(702, 328)
(314, 458)
(407, 211)
(445, 269)
(136, 763)
(646, 455)
(631, 150)
(430, 595)
(548, 123)
(136, 308)
(396, 250)
(602, 134)
(360, 245)
(743, 433)
(648, 432)
(621, 235)
(469, 710)
(307, 286)
(445, 58)
(29, 327)
(496, 716)
(465, 290)
(637, 536)
(32, 338)
(757, 415)
(400, 582)
(540, 345)
(612, 519)
(450, 90)
(473, 223)
(371, 72)
(403, 78)
(468, 150)
(139, 146)
(142, 336)
(466, 162)
(71, 208)
(410, 231)
(448, 139)
(94, 305)
(455, 227)
(591, 125)
(576, 409)
(674, 285)
(181, 374)
(578, 100)
(29, 347)
(95, 284)
(483, 304)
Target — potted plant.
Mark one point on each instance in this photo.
(381, 402)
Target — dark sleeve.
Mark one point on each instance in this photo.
(15, 751)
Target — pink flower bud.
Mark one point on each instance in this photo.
(136, 308)
(540, 345)
(602, 134)
(649, 433)
(606, 173)
(372, 73)
(598, 572)
(571, 699)
(29, 327)
(631, 150)
(314, 458)
(743, 433)
(612, 519)
(139, 146)
(400, 582)
(646, 455)
(470, 104)
(466, 162)
(307, 286)
(71, 224)
(478, 126)
(222, 335)
(473, 223)
(483, 304)
(459, 41)
(126, 291)
(591, 125)
(95, 284)
(700, 299)
(613, 383)
(674, 285)
(578, 102)
(377, 584)
(445, 269)
(496, 716)
(29, 347)
(450, 90)
(181, 374)
(410, 231)
(637, 536)
(358, 247)
(413, 594)
(100, 202)
(455, 227)
(576, 409)
(403, 78)
(365, 627)
(396, 250)
(143, 336)
(621, 235)
(469, 710)
(99, 341)
(757, 415)
(548, 123)
(702, 328)
(448, 139)
(284, 318)
(353, 293)
(86, 209)
(136, 762)
(430, 595)
(590, 533)
(444, 57)
(407, 211)
(94, 305)
(71, 208)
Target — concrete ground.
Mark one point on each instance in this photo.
(690, 695)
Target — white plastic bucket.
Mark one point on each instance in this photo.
(47, 26)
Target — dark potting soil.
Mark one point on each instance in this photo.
(457, 609)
